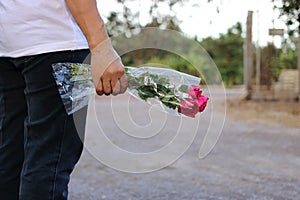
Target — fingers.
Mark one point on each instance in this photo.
(112, 86)
(123, 83)
(116, 87)
(99, 88)
(112, 81)
(107, 88)
(120, 86)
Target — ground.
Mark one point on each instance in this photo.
(256, 157)
(285, 113)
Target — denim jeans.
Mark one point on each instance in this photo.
(39, 142)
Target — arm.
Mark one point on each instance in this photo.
(107, 69)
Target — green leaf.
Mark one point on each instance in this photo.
(146, 92)
(183, 88)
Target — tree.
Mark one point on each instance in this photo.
(290, 11)
(227, 53)
(127, 20)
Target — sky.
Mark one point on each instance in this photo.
(204, 20)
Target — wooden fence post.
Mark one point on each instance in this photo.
(248, 62)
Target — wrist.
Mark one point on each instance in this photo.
(96, 37)
(103, 54)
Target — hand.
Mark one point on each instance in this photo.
(113, 81)
(107, 70)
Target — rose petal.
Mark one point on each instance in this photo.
(202, 102)
(195, 91)
(189, 107)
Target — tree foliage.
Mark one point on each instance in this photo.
(290, 11)
(227, 53)
(274, 61)
(128, 19)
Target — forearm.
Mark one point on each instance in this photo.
(86, 15)
(107, 69)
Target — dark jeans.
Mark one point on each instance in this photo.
(39, 143)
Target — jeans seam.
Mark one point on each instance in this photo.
(58, 160)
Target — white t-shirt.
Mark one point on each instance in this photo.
(30, 27)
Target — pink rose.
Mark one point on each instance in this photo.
(195, 92)
(189, 107)
(202, 101)
(197, 103)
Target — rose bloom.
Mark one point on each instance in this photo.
(195, 92)
(189, 107)
(197, 103)
(202, 101)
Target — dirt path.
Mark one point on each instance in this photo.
(285, 113)
(253, 159)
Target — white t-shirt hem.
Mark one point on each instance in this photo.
(46, 48)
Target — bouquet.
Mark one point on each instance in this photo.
(179, 93)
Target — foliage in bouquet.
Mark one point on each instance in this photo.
(188, 100)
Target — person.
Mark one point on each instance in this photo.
(39, 144)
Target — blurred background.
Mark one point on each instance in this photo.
(220, 26)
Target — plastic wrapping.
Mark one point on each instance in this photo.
(176, 91)
(74, 85)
